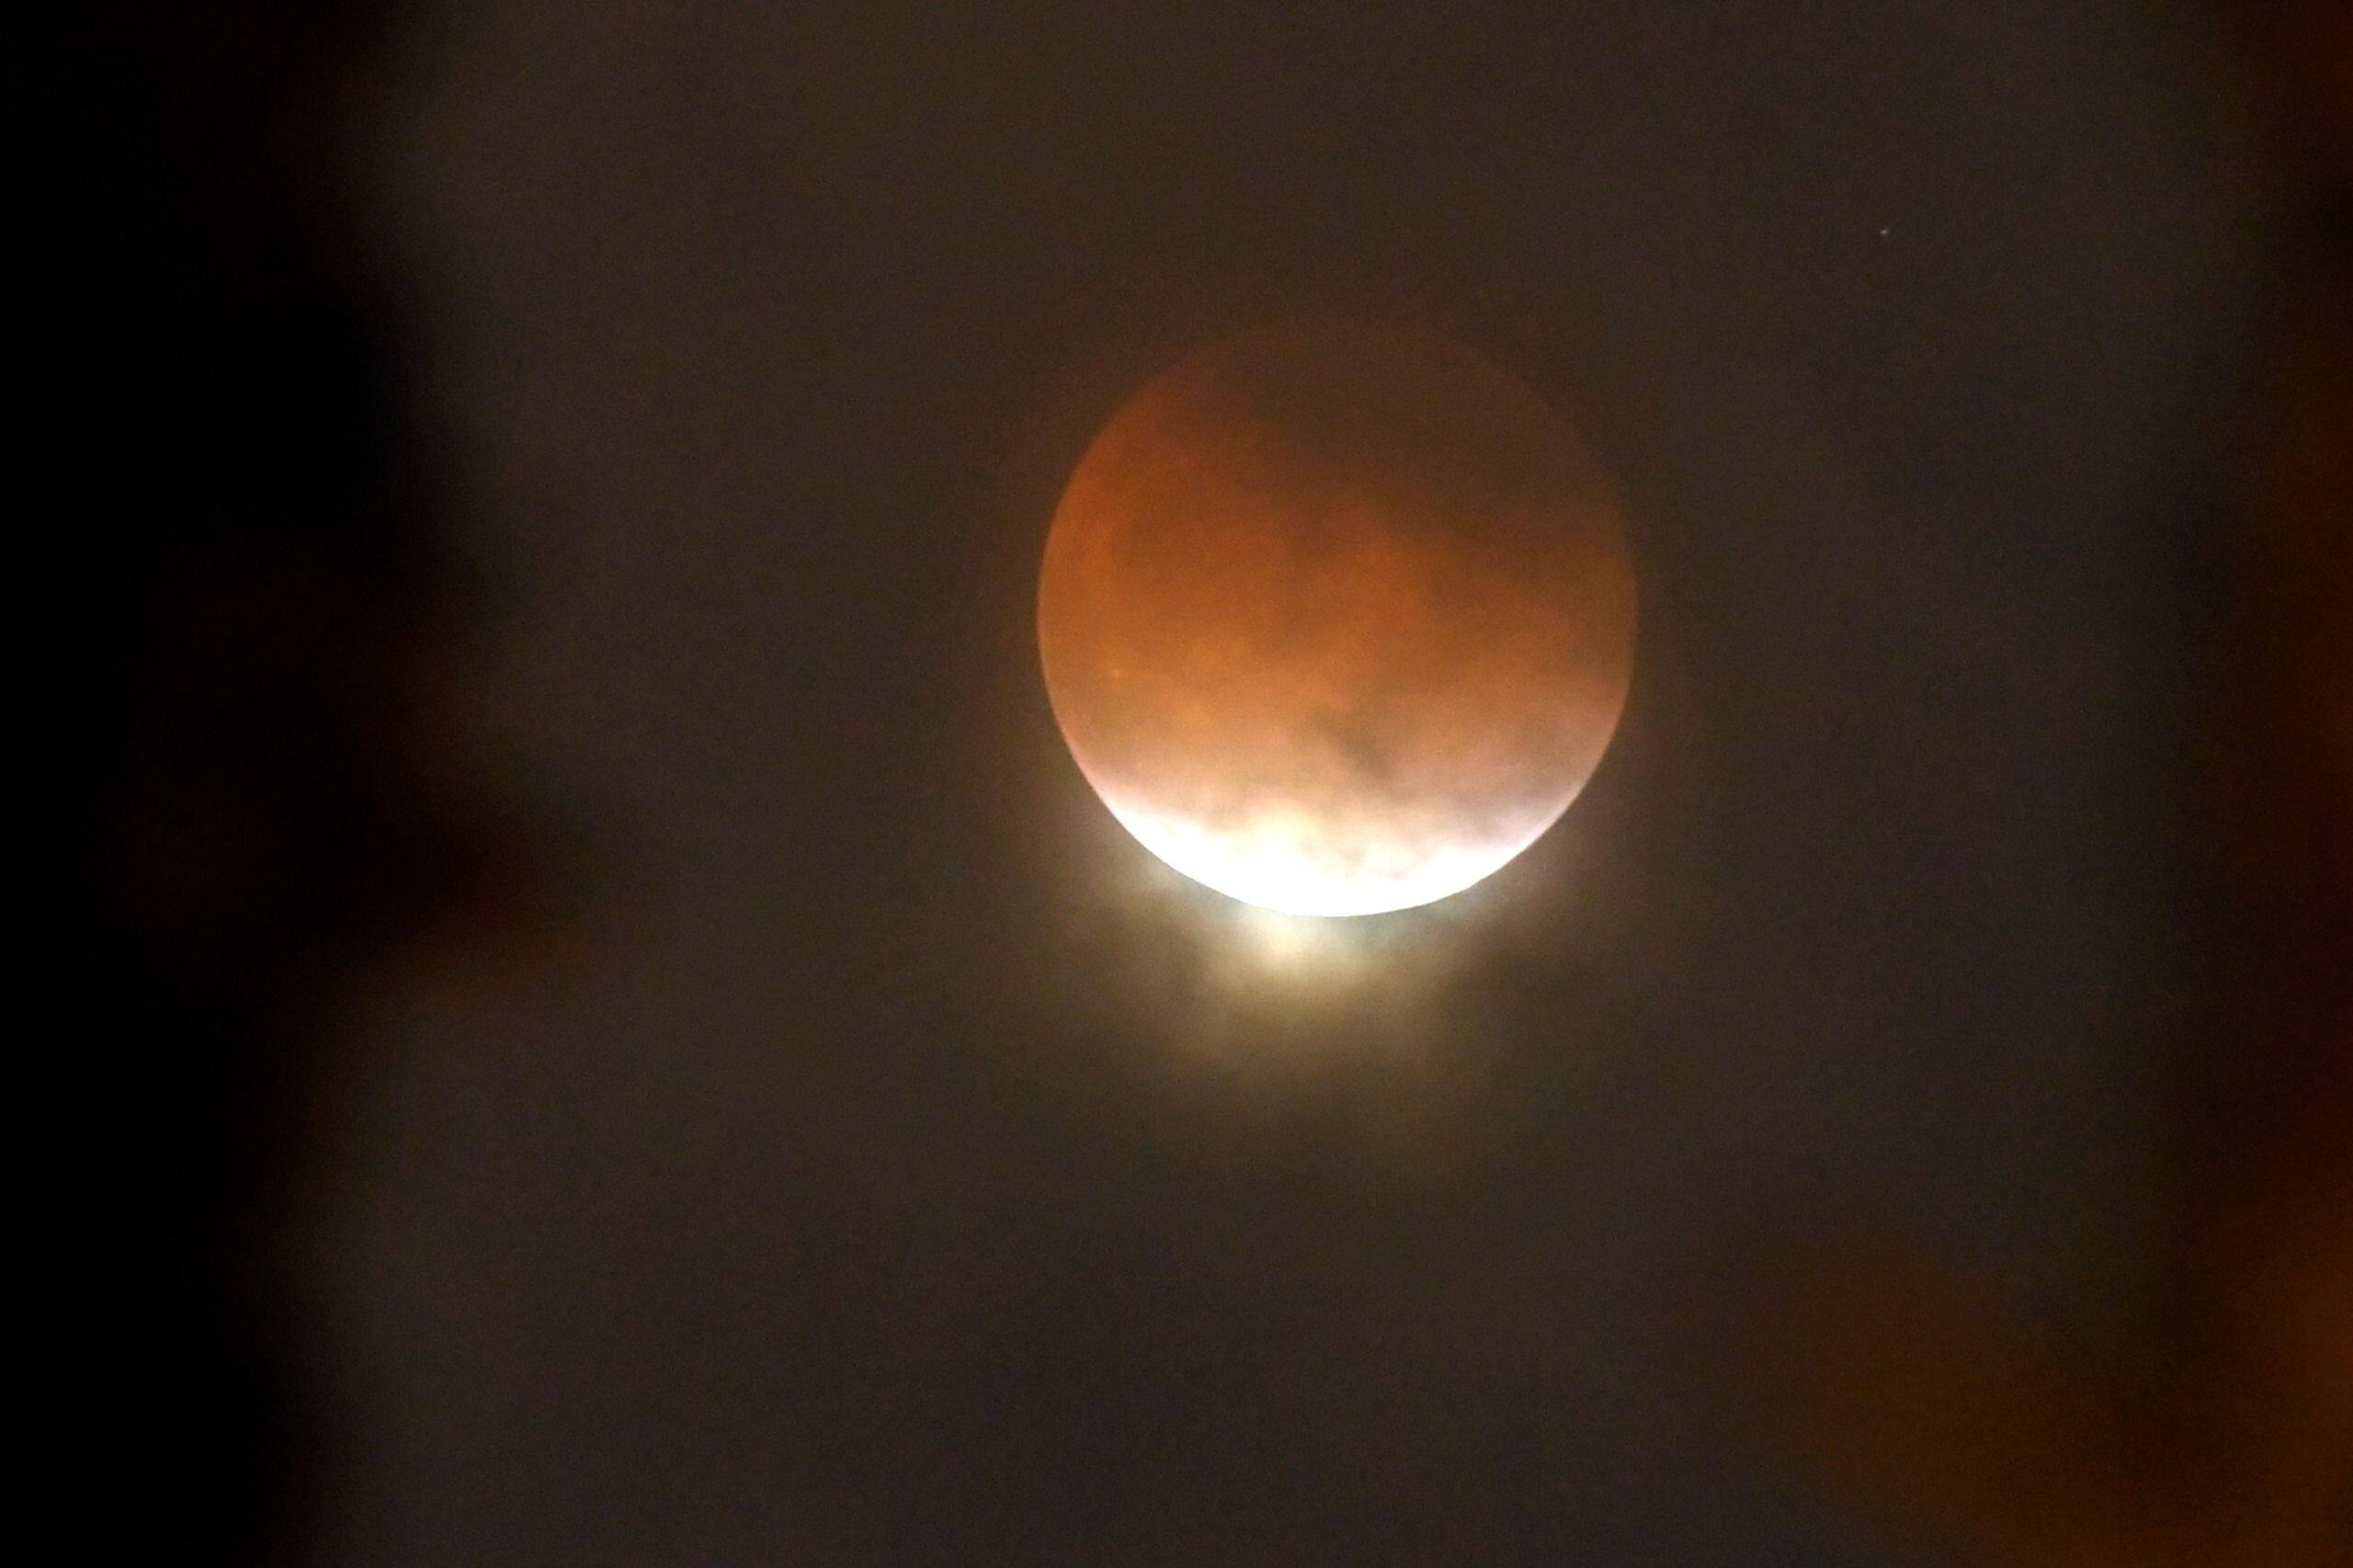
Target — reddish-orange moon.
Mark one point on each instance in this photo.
(1336, 619)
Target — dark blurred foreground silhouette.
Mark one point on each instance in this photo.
(2227, 1437)
(275, 796)
(273, 793)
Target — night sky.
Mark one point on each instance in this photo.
(879, 1158)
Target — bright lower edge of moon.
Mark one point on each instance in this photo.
(1272, 865)
(1336, 619)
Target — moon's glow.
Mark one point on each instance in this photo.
(1335, 620)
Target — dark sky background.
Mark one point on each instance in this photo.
(883, 1162)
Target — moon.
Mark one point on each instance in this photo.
(1337, 617)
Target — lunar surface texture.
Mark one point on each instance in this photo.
(1336, 619)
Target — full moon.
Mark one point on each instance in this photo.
(1336, 619)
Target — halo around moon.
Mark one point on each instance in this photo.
(1335, 618)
